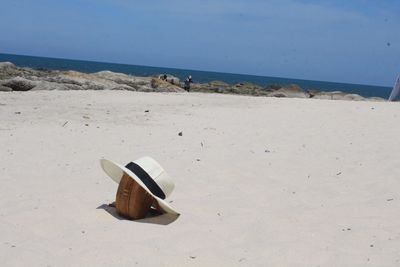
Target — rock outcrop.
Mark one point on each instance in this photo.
(225, 88)
(289, 91)
(24, 79)
(163, 86)
(337, 95)
(137, 83)
(169, 78)
(5, 89)
(211, 87)
(4, 65)
(19, 84)
(13, 78)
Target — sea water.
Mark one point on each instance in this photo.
(198, 76)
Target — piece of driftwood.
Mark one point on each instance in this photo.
(132, 201)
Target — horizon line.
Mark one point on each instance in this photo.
(180, 69)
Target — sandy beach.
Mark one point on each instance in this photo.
(259, 181)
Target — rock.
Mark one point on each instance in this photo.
(292, 91)
(338, 95)
(248, 86)
(72, 80)
(6, 65)
(137, 83)
(19, 84)
(13, 78)
(8, 70)
(272, 87)
(377, 99)
(312, 92)
(45, 85)
(277, 94)
(225, 88)
(218, 84)
(170, 78)
(247, 89)
(212, 87)
(86, 81)
(67, 78)
(5, 89)
(324, 95)
(353, 97)
(164, 86)
(174, 80)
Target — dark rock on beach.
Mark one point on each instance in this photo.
(13, 78)
(5, 89)
(19, 84)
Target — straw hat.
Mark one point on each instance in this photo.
(148, 174)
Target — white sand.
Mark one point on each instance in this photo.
(326, 194)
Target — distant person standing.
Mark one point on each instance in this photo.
(188, 81)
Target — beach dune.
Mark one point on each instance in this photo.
(258, 181)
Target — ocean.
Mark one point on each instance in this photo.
(198, 76)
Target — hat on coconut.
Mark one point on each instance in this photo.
(149, 174)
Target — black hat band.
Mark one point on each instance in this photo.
(146, 179)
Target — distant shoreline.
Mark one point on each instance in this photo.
(13, 78)
(198, 76)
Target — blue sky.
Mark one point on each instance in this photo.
(355, 41)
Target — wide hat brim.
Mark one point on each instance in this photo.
(115, 171)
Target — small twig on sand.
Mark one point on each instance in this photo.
(65, 123)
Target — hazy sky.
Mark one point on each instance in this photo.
(354, 41)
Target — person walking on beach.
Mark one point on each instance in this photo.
(188, 81)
